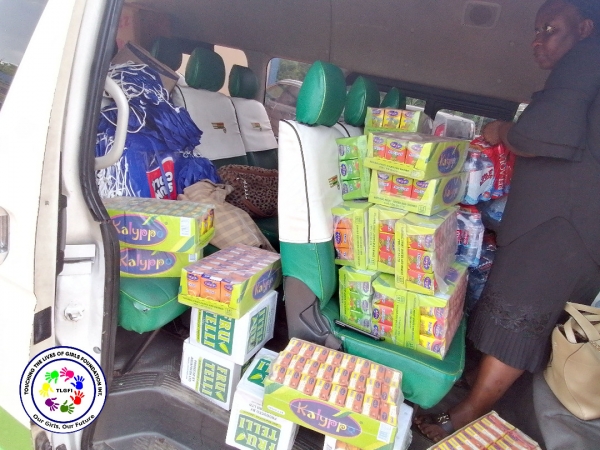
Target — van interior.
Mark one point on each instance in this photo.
(463, 61)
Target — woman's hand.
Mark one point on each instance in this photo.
(495, 132)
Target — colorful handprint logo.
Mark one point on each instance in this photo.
(63, 390)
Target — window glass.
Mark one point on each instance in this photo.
(17, 22)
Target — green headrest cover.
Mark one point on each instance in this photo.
(167, 51)
(242, 82)
(363, 93)
(394, 99)
(205, 70)
(322, 95)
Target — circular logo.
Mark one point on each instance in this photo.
(63, 389)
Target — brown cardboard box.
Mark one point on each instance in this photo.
(135, 53)
(141, 25)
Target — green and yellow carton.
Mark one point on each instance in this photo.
(213, 377)
(354, 175)
(422, 197)
(388, 119)
(250, 427)
(390, 310)
(419, 156)
(231, 281)
(356, 297)
(234, 339)
(381, 245)
(350, 233)
(161, 225)
(344, 406)
(138, 263)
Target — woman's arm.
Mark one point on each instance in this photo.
(497, 131)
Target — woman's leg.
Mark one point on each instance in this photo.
(493, 380)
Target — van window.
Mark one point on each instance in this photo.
(17, 22)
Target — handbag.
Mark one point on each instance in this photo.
(573, 372)
(254, 189)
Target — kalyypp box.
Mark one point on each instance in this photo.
(234, 339)
(489, 431)
(387, 119)
(356, 295)
(403, 436)
(350, 233)
(389, 310)
(138, 263)
(436, 318)
(426, 247)
(213, 377)
(355, 177)
(161, 225)
(424, 156)
(381, 238)
(433, 195)
(231, 281)
(250, 427)
(349, 398)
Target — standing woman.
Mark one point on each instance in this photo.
(549, 240)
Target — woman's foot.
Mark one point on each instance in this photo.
(435, 427)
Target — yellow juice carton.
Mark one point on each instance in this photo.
(161, 225)
(387, 119)
(250, 426)
(412, 121)
(386, 297)
(231, 281)
(350, 233)
(426, 248)
(392, 118)
(425, 156)
(374, 117)
(213, 377)
(138, 263)
(382, 226)
(234, 339)
(334, 409)
(440, 193)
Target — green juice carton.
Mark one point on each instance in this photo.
(138, 263)
(234, 339)
(421, 156)
(421, 197)
(389, 310)
(231, 281)
(251, 427)
(354, 175)
(381, 238)
(162, 225)
(213, 377)
(350, 222)
(388, 119)
(356, 296)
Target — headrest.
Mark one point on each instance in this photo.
(167, 51)
(205, 70)
(242, 82)
(362, 94)
(394, 99)
(322, 95)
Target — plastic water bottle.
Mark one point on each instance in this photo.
(469, 235)
(475, 167)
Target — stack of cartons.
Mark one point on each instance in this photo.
(233, 315)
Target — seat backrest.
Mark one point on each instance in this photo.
(212, 111)
(255, 127)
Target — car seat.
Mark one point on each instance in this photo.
(255, 127)
(308, 169)
(363, 93)
(212, 111)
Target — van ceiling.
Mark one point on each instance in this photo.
(426, 42)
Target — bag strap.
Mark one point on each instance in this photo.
(585, 322)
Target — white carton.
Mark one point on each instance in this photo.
(403, 436)
(234, 339)
(251, 428)
(211, 376)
